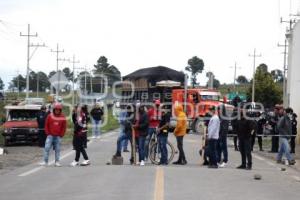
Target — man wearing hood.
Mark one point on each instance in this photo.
(180, 132)
(55, 128)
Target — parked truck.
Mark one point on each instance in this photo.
(21, 124)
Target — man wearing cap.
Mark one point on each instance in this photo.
(154, 116)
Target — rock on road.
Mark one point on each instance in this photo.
(101, 181)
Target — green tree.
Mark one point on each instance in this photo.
(43, 81)
(1, 84)
(216, 83)
(68, 73)
(267, 91)
(18, 82)
(102, 67)
(242, 79)
(195, 66)
(277, 75)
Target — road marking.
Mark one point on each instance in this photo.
(297, 178)
(159, 184)
(36, 169)
(258, 157)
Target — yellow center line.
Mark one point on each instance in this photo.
(159, 184)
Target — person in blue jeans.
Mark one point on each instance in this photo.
(55, 128)
(96, 114)
(284, 127)
(154, 116)
(122, 121)
(127, 122)
(163, 137)
(141, 127)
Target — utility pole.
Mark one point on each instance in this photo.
(85, 72)
(57, 51)
(73, 93)
(29, 35)
(37, 85)
(285, 67)
(234, 76)
(18, 72)
(253, 80)
(284, 70)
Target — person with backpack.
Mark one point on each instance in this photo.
(80, 132)
(97, 114)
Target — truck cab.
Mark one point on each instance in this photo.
(197, 104)
(21, 123)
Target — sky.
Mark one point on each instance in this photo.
(135, 34)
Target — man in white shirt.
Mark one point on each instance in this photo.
(213, 136)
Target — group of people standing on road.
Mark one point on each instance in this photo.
(140, 123)
(52, 127)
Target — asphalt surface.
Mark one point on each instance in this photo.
(193, 181)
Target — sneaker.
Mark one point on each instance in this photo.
(98, 137)
(93, 137)
(222, 165)
(43, 163)
(279, 161)
(142, 163)
(292, 162)
(85, 163)
(74, 163)
(57, 164)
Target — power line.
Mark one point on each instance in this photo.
(57, 51)
(29, 35)
(253, 80)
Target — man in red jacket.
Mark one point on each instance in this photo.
(55, 128)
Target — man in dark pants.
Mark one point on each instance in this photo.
(213, 131)
(261, 121)
(163, 137)
(234, 128)
(222, 142)
(41, 119)
(273, 123)
(245, 130)
(141, 127)
(294, 132)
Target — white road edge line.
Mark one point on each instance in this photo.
(258, 157)
(36, 169)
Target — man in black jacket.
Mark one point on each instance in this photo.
(222, 142)
(41, 119)
(245, 129)
(96, 114)
(141, 126)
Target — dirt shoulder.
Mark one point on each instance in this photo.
(22, 155)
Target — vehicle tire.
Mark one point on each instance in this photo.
(155, 155)
(197, 126)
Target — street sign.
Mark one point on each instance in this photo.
(58, 80)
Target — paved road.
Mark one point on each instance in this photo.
(101, 181)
